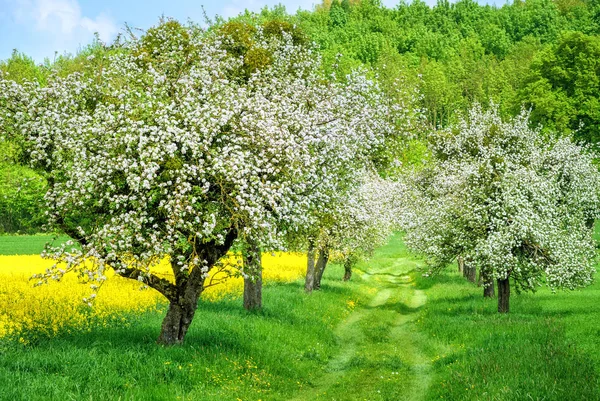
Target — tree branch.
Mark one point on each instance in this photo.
(211, 252)
(162, 285)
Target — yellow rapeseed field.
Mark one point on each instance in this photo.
(57, 306)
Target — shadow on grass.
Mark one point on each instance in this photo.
(215, 336)
(220, 325)
(427, 282)
(397, 307)
(339, 288)
(401, 275)
(137, 336)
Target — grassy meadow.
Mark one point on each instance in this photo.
(27, 244)
(389, 334)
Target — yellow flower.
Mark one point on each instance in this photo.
(48, 309)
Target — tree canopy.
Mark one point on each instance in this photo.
(166, 153)
(510, 201)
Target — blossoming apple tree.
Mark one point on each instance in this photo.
(356, 224)
(366, 221)
(515, 204)
(165, 153)
(363, 211)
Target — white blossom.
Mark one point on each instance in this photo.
(163, 148)
(509, 200)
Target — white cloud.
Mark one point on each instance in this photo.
(48, 12)
(64, 17)
(103, 24)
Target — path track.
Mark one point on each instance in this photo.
(381, 356)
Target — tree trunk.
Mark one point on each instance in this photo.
(177, 321)
(320, 267)
(253, 280)
(183, 295)
(461, 264)
(347, 269)
(503, 295)
(309, 281)
(488, 285)
(470, 272)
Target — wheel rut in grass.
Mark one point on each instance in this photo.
(382, 355)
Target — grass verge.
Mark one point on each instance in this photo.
(229, 354)
(27, 244)
(547, 348)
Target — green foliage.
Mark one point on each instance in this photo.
(90, 61)
(241, 36)
(21, 194)
(563, 87)
(338, 14)
(277, 27)
(21, 200)
(466, 52)
(19, 67)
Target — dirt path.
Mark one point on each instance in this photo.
(381, 356)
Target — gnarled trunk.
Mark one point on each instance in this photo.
(461, 264)
(503, 295)
(183, 295)
(347, 269)
(309, 281)
(253, 281)
(177, 321)
(320, 267)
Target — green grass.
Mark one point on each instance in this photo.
(228, 354)
(27, 244)
(545, 349)
(408, 338)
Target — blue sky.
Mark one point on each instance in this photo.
(39, 28)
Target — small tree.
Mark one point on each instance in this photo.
(164, 153)
(511, 202)
(358, 224)
(362, 211)
(366, 220)
(251, 44)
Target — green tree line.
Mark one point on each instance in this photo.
(535, 54)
